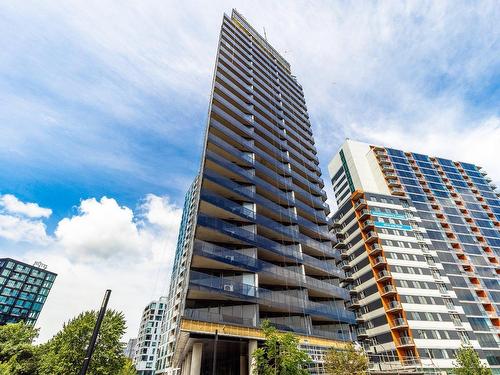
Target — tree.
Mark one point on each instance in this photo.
(346, 362)
(280, 354)
(18, 356)
(64, 353)
(128, 368)
(468, 363)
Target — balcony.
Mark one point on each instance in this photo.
(384, 275)
(349, 277)
(364, 214)
(368, 224)
(361, 203)
(394, 306)
(379, 262)
(392, 183)
(344, 254)
(374, 249)
(371, 237)
(361, 332)
(359, 317)
(390, 175)
(398, 323)
(353, 303)
(404, 341)
(345, 265)
(397, 191)
(388, 290)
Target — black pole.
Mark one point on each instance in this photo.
(214, 360)
(93, 339)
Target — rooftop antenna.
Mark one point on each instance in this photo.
(265, 35)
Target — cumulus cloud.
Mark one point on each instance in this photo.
(103, 245)
(11, 204)
(23, 230)
(101, 230)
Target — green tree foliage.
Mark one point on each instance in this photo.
(280, 354)
(468, 363)
(17, 354)
(64, 353)
(346, 362)
(128, 368)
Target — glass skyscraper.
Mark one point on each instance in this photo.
(420, 243)
(23, 290)
(255, 242)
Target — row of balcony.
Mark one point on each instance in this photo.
(263, 60)
(254, 80)
(247, 47)
(224, 71)
(292, 232)
(249, 193)
(252, 239)
(250, 177)
(311, 186)
(270, 298)
(249, 60)
(252, 264)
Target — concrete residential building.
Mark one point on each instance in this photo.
(146, 346)
(129, 348)
(254, 241)
(23, 290)
(420, 242)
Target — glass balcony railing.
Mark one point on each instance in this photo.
(271, 298)
(248, 237)
(240, 260)
(312, 166)
(203, 315)
(250, 177)
(265, 243)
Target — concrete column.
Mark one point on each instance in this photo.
(252, 346)
(186, 366)
(196, 359)
(243, 364)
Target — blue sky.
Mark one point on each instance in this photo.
(110, 99)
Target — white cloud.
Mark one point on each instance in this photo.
(104, 245)
(23, 230)
(12, 205)
(102, 230)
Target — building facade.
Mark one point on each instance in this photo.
(420, 243)
(255, 241)
(148, 338)
(23, 290)
(129, 348)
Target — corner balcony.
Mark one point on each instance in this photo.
(353, 303)
(368, 225)
(390, 175)
(359, 317)
(371, 237)
(364, 214)
(398, 323)
(374, 249)
(388, 290)
(345, 265)
(404, 342)
(361, 332)
(383, 275)
(394, 306)
(361, 203)
(379, 262)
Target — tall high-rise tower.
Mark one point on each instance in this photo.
(254, 241)
(420, 242)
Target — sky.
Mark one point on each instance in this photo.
(103, 106)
